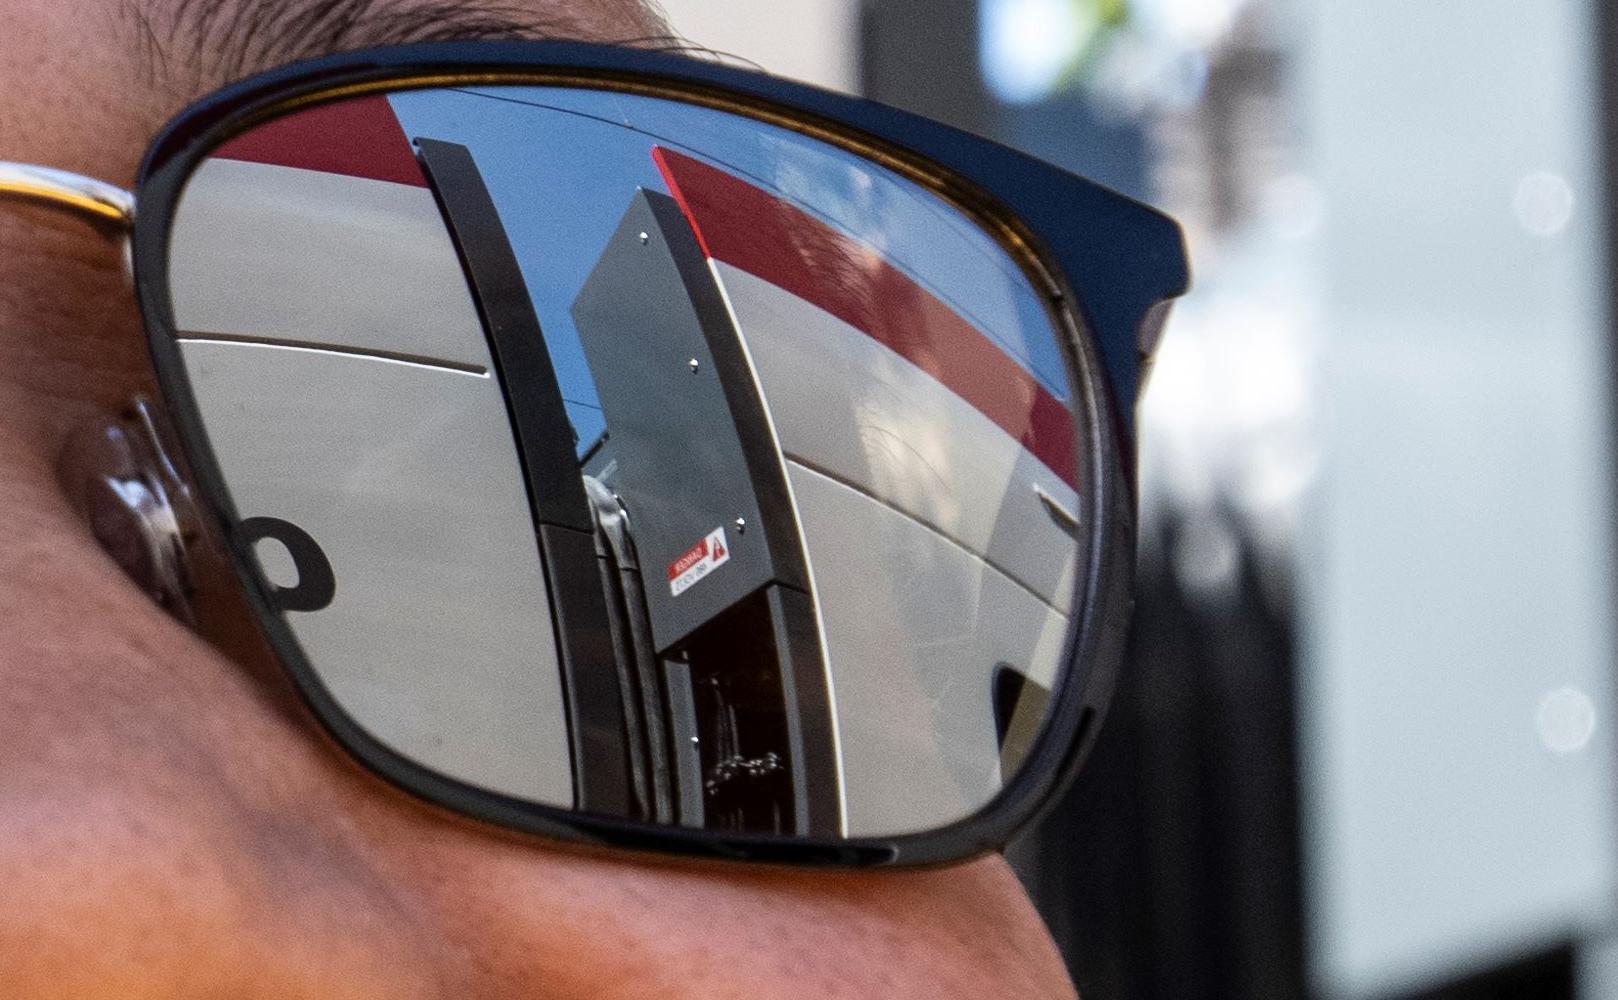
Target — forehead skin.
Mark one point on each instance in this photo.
(171, 824)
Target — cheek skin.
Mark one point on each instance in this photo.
(150, 804)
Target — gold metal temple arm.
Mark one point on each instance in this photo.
(103, 201)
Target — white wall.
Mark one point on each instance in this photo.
(1458, 562)
(811, 40)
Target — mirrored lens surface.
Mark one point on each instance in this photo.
(628, 456)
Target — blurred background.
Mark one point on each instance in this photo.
(1363, 748)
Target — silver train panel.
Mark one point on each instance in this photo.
(849, 406)
(915, 626)
(439, 640)
(332, 259)
(935, 560)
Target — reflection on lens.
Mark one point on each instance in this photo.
(666, 464)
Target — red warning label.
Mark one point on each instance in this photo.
(700, 560)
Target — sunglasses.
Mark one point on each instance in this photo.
(647, 452)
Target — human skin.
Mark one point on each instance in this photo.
(172, 824)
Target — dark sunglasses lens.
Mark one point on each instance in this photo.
(621, 455)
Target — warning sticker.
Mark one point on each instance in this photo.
(703, 558)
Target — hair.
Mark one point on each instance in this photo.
(191, 45)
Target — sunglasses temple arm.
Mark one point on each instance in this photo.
(112, 208)
(105, 203)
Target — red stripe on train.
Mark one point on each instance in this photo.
(747, 227)
(360, 137)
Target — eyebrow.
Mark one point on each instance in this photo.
(198, 43)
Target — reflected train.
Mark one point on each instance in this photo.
(808, 570)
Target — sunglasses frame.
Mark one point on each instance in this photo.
(1108, 265)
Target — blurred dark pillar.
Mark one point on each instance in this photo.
(922, 55)
(1170, 870)
(1606, 13)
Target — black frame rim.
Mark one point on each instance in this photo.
(1093, 647)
